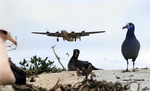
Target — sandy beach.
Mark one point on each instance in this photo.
(140, 78)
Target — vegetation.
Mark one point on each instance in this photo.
(37, 65)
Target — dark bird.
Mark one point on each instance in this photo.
(74, 63)
(131, 46)
(19, 74)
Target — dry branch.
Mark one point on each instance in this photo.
(57, 56)
(127, 85)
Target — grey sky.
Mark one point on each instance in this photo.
(22, 17)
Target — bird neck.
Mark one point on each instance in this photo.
(3, 51)
(130, 33)
(73, 57)
(7, 77)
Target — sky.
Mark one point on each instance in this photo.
(21, 17)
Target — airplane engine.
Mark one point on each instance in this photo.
(73, 32)
(57, 33)
(47, 32)
(83, 32)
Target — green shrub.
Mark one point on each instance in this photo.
(37, 65)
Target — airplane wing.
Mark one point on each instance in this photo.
(57, 34)
(83, 33)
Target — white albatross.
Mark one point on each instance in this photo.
(6, 74)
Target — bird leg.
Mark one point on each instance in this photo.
(78, 72)
(127, 67)
(133, 66)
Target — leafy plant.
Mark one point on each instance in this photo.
(37, 65)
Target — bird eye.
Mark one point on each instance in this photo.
(130, 24)
(5, 32)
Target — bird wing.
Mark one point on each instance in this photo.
(79, 64)
(83, 33)
(57, 34)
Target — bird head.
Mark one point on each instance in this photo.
(7, 36)
(129, 26)
(76, 53)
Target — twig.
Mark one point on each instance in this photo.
(11, 47)
(138, 79)
(57, 86)
(57, 56)
(131, 83)
(57, 83)
(76, 84)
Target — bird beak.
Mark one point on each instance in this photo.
(9, 37)
(76, 54)
(125, 27)
(13, 39)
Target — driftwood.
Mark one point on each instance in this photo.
(133, 79)
(27, 87)
(91, 85)
(57, 56)
(128, 85)
(56, 86)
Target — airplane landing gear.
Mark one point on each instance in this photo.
(57, 39)
(63, 39)
(75, 39)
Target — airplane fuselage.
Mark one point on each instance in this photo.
(65, 36)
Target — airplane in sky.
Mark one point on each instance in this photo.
(68, 36)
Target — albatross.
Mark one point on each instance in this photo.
(74, 63)
(131, 46)
(9, 74)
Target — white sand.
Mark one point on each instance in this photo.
(141, 76)
(49, 80)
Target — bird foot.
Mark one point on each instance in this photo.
(78, 72)
(126, 70)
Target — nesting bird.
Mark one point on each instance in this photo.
(9, 73)
(74, 63)
(131, 46)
